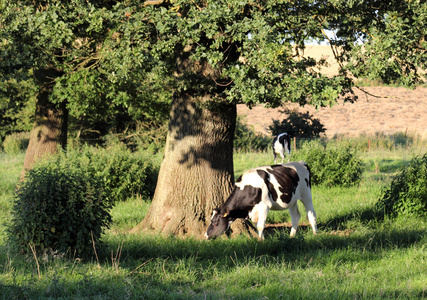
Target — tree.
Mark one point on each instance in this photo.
(251, 52)
(214, 54)
(69, 51)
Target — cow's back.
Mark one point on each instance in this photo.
(287, 183)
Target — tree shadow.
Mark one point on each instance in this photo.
(362, 216)
(332, 236)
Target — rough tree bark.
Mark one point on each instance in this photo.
(196, 174)
(49, 132)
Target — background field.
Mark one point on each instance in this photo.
(385, 109)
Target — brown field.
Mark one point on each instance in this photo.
(393, 110)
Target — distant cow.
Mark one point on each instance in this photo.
(282, 144)
(258, 190)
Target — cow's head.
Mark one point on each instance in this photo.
(220, 222)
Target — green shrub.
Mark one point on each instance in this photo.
(301, 125)
(407, 193)
(247, 140)
(59, 208)
(150, 139)
(124, 173)
(331, 164)
(15, 143)
(66, 199)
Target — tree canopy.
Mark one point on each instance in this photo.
(123, 52)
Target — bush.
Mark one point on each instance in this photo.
(407, 193)
(59, 208)
(15, 143)
(300, 125)
(124, 173)
(333, 164)
(66, 199)
(246, 139)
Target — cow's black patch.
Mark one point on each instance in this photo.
(286, 138)
(239, 213)
(245, 199)
(288, 181)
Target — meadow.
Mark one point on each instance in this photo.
(355, 255)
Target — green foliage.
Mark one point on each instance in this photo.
(103, 83)
(149, 138)
(16, 142)
(297, 124)
(391, 51)
(66, 199)
(247, 140)
(124, 174)
(333, 164)
(60, 208)
(17, 106)
(407, 192)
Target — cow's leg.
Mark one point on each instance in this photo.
(295, 216)
(275, 157)
(282, 155)
(311, 214)
(312, 218)
(262, 211)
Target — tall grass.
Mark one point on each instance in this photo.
(10, 169)
(354, 256)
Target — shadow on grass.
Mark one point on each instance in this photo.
(332, 237)
(364, 216)
(148, 263)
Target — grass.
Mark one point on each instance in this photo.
(354, 256)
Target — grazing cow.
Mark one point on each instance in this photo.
(258, 190)
(282, 144)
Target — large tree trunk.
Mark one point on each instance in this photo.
(49, 132)
(196, 174)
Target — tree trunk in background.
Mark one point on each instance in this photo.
(50, 128)
(196, 174)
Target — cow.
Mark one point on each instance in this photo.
(258, 190)
(282, 144)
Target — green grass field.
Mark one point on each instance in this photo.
(354, 256)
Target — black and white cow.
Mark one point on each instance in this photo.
(282, 144)
(276, 187)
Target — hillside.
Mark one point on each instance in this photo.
(393, 110)
(396, 110)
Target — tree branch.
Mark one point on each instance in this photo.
(153, 2)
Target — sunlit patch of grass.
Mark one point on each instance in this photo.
(10, 170)
(127, 214)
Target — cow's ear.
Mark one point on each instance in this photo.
(227, 212)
